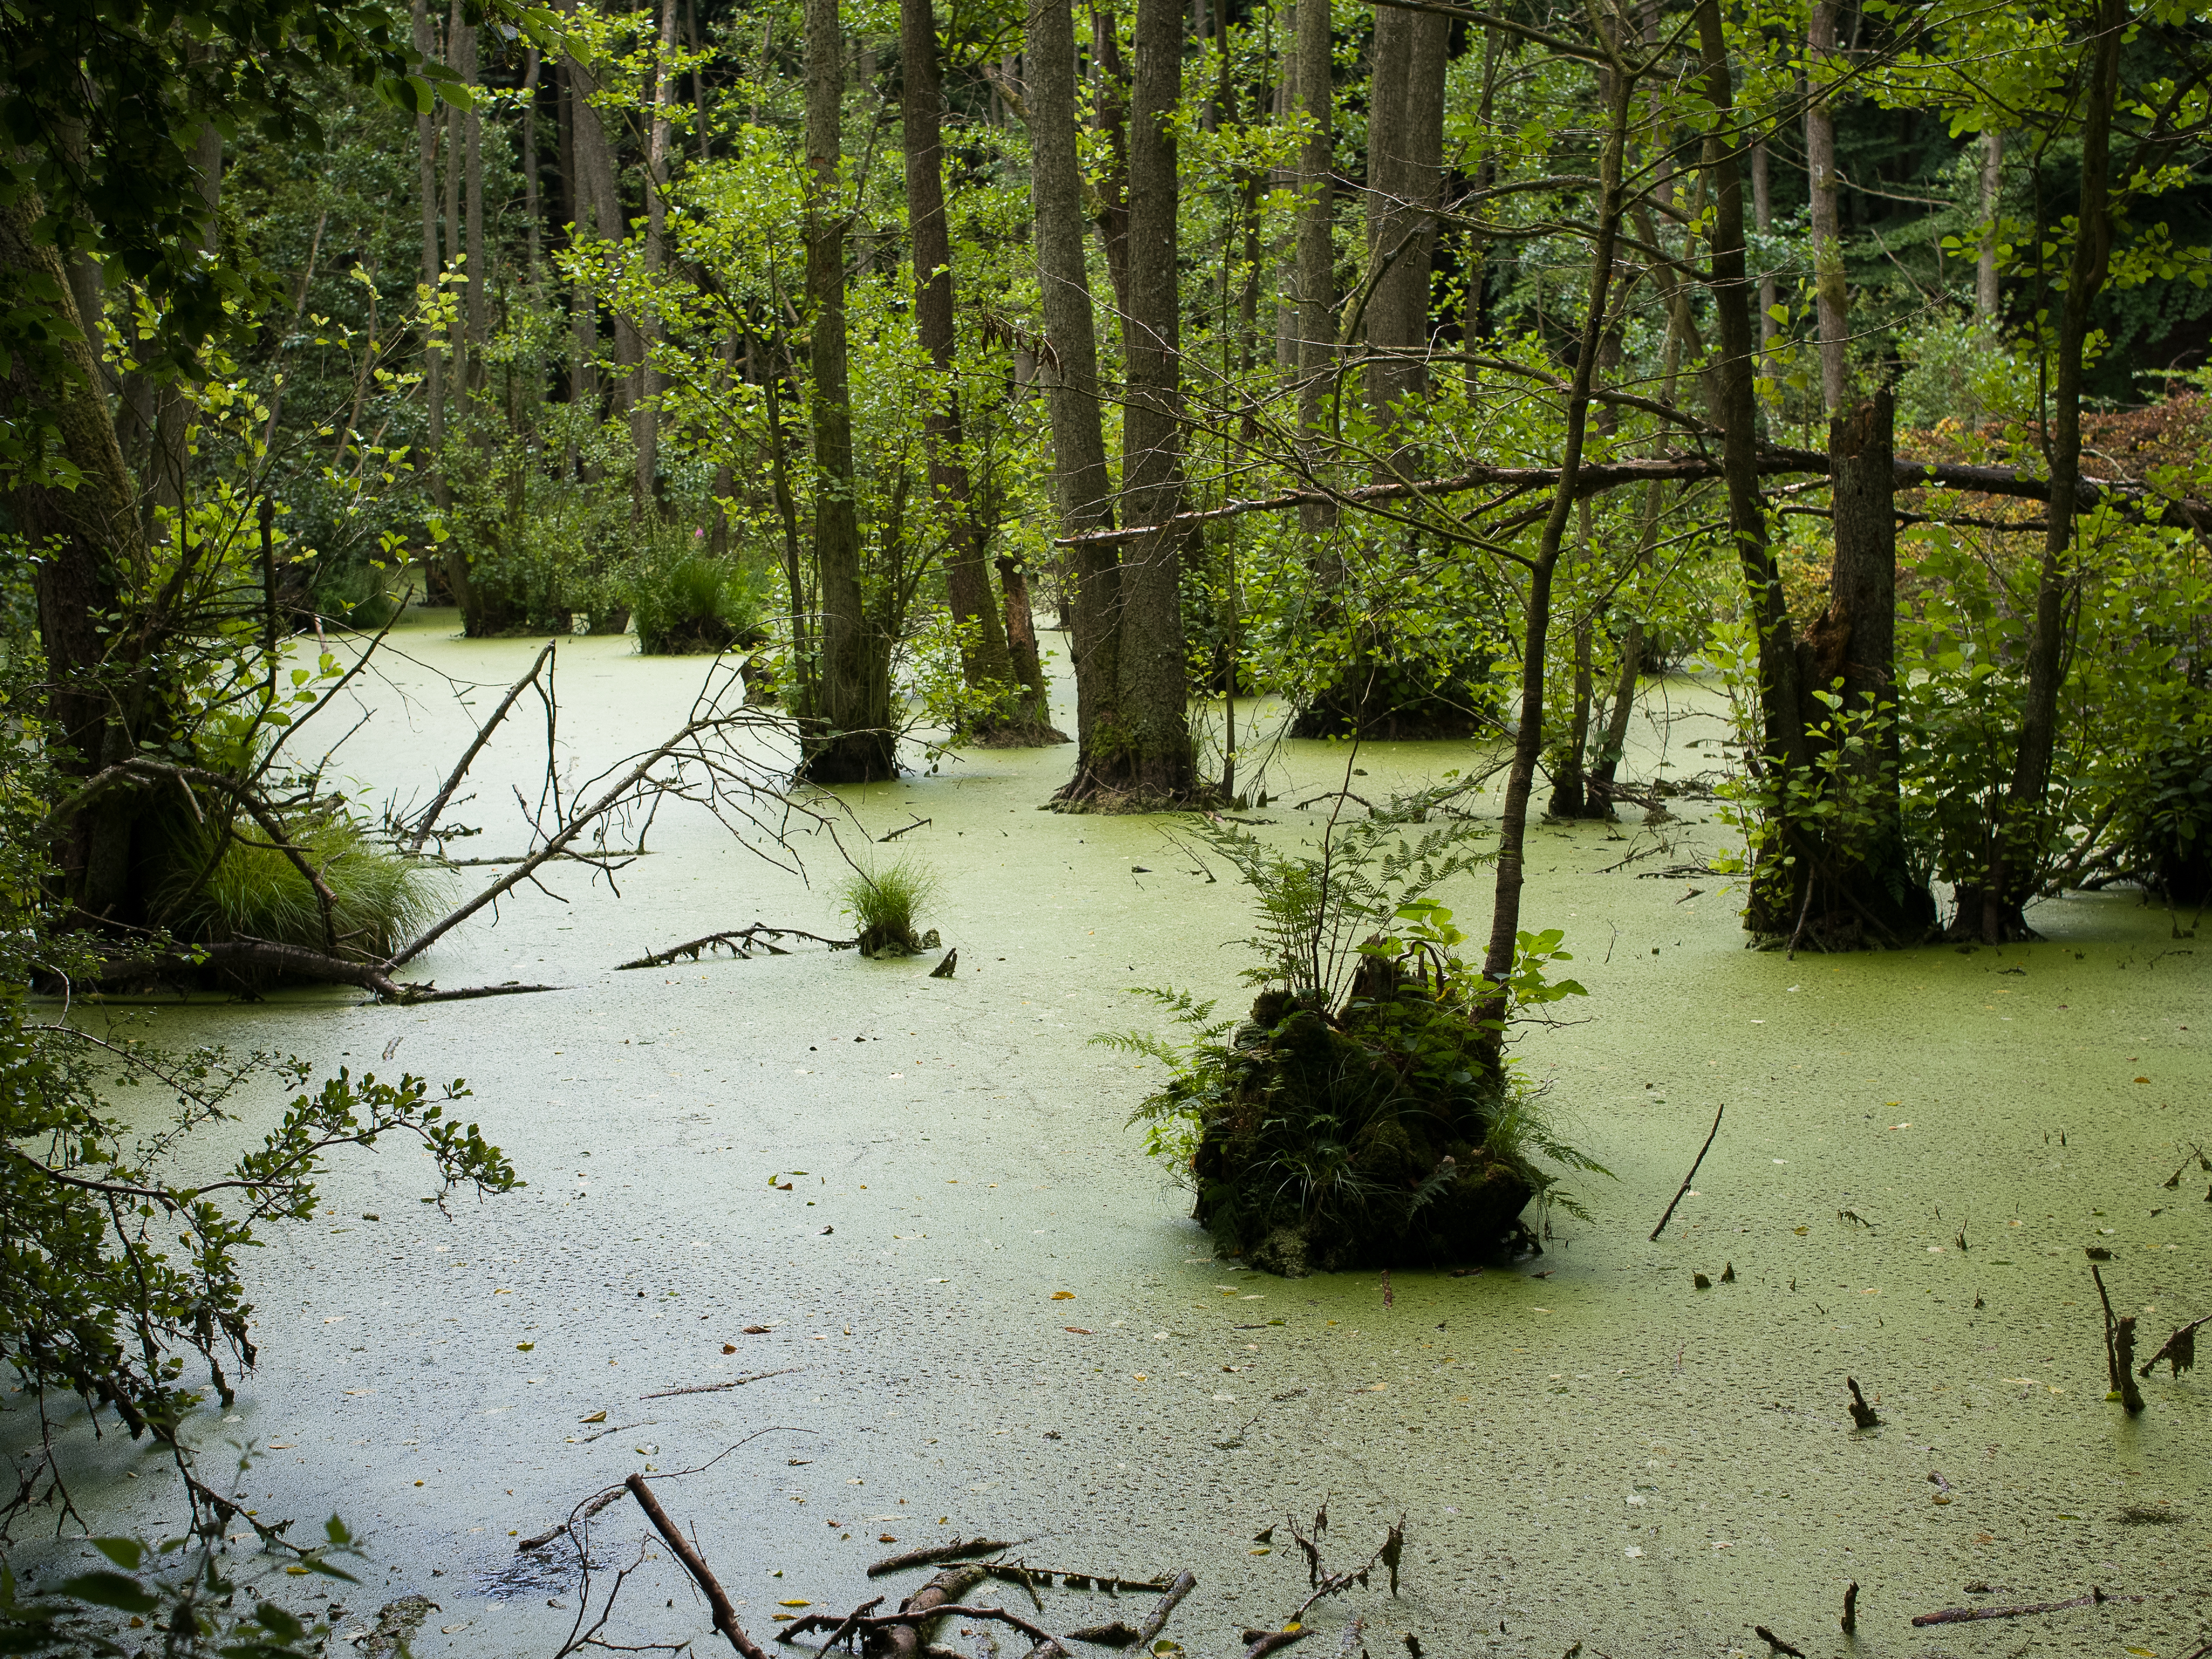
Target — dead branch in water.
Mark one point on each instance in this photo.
(739, 942)
(952, 1552)
(419, 831)
(2095, 1598)
(726, 1616)
(1683, 1192)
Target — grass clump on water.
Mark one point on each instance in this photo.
(882, 900)
(380, 896)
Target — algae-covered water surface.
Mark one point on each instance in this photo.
(911, 1211)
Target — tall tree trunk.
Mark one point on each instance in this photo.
(2019, 839)
(1404, 183)
(1867, 894)
(1152, 759)
(533, 212)
(1111, 118)
(985, 662)
(453, 561)
(1083, 486)
(645, 419)
(1762, 217)
(1736, 412)
(1283, 180)
(1569, 789)
(1316, 218)
(170, 454)
(472, 226)
(92, 553)
(1988, 298)
(1614, 742)
(849, 738)
(1830, 299)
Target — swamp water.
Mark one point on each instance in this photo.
(987, 1311)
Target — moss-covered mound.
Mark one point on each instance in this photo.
(1379, 1135)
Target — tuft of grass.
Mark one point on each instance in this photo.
(381, 895)
(882, 900)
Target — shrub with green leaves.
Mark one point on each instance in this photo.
(1363, 1114)
(685, 601)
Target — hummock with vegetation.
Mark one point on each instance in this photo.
(1364, 1115)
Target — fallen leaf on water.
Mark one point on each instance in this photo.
(296, 1569)
(2140, 1079)
(885, 1538)
(1063, 1296)
(596, 1417)
(1076, 1330)
(729, 1347)
(754, 1330)
(524, 1347)
(794, 1603)
(451, 1629)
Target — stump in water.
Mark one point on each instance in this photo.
(1378, 1134)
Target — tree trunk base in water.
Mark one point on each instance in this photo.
(1864, 913)
(1980, 918)
(852, 757)
(1411, 717)
(1018, 734)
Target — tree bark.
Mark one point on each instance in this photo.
(1083, 486)
(985, 662)
(533, 212)
(472, 211)
(1111, 118)
(1831, 301)
(1762, 212)
(645, 418)
(92, 553)
(1781, 737)
(1404, 182)
(1316, 249)
(848, 735)
(453, 563)
(1149, 757)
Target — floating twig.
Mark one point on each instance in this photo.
(1690, 1177)
(1969, 1615)
(1850, 1620)
(1775, 1643)
(903, 828)
(717, 1387)
(584, 1514)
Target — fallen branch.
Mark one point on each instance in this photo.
(1021, 1573)
(421, 832)
(726, 1616)
(915, 1615)
(739, 942)
(717, 1387)
(1265, 1641)
(296, 959)
(952, 1552)
(584, 1514)
(1970, 1615)
(909, 1625)
(1685, 1189)
(903, 828)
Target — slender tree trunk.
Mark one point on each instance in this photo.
(1283, 179)
(1152, 759)
(1569, 790)
(1082, 483)
(2022, 836)
(533, 213)
(985, 662)
(1614, 743)
(645, 419)
(1988, 298)
(1831, 301)
(472, 223)
(172, 408)
(849, 738)
(1316, 284)
(1736, 411)
(1528, 741)
(1762, 211)
(453, 561)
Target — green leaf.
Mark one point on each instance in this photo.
(110, 1590)
(125, 1553)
